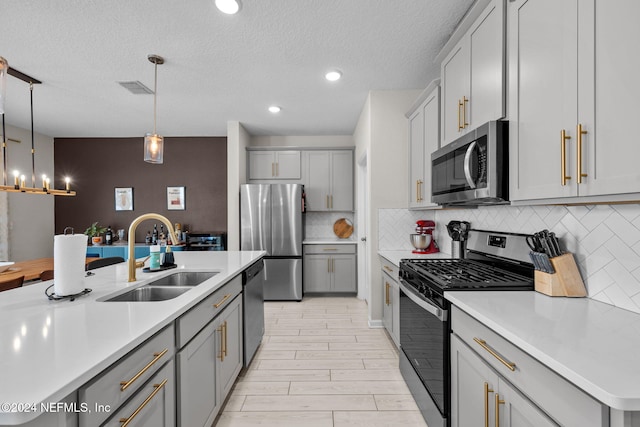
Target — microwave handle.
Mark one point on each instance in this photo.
(467, 164)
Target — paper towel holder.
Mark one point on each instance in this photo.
(65, 230)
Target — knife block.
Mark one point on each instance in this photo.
(565, 282)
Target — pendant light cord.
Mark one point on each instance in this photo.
(33, 150)
(4, 151)
(155, 97)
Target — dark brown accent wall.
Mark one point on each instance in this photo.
(98, 165)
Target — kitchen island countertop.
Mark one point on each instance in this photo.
(48, 349)
(591, 344)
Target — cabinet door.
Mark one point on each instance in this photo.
(431, 113)
(341, 196)
(343, 269)
(515, 410)
(316, 273)
(229, 362)
(387, 308)
(158, 410)
(473, 386)
(543, 97)
(197, 392)
(416, 158)
(455, 89)
(317, 187)
(262, 165)
(487, 62)
(287, 165)
(608, 97)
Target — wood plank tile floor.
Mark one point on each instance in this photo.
(321, 365)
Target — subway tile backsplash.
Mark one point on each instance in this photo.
(605, 239)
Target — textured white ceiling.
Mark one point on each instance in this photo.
(217, 67)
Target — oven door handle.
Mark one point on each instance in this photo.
(436, 311)
(467, 164)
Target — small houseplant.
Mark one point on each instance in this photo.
(95, 233)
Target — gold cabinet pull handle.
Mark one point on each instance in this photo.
(327, 201)
(223, 341)
(386, 267)
(464, 112)
(460, 127)
(224, 298)
(278, 169)
(273, 169)
(157, 387)
(487, 390)
(156, 356)
(225, 338)
(498, 403)
(386, 290)
(579, 133)
(563, 157)
(328, 265)
(483, 344)
(331, 198)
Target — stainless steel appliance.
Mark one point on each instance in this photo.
(272, 220)
(474, 169)
(253, 310)
(423, 240)
(495, 261)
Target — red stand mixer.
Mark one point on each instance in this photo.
(423, 241)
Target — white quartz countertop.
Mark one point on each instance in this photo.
(394, 257)
(329, 241)
(48, 349)
(593, 345)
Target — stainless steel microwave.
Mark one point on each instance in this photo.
(473, 169)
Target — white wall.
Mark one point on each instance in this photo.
(303, 141)
(382, 132)
(30, 217)
(237, 141)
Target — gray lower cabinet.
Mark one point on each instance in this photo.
(391, 308)
(330, 268)
(153, 405)
(208, 366)
(495, 383)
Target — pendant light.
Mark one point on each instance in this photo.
(154, 143)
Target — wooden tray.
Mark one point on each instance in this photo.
(343, 228)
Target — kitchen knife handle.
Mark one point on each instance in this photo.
(579, 133)
(563, 156)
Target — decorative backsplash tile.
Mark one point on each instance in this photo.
(605, 239)
(320, 224)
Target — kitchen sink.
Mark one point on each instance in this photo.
(183, 278)
(151, 293)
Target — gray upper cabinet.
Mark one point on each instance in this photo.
(268, 165)
(329, 181)
(473, 73)
(424, 139)
(564, 144)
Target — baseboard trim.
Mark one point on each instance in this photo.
(376, 323)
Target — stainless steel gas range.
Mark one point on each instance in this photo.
(495, 261)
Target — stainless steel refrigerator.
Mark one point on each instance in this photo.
(272, 220)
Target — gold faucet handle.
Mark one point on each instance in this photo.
(140, 264)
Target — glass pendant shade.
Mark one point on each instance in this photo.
(153, 148)
(4, 68)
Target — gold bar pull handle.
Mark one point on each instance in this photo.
(221, 354)
(331, 201)
(327, 203)
(579, 133)
(483, 344)
(156, 356)
(563, 157)
(487, 390)
(225, 338)
(464, 112)
(389, 269)
(273, 169)
(157, 387)
(460, 126)
(224, 298)
(386, 291)
(278, 169)
(328, 265)
(498, 403)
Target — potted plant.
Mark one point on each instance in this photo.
(95, 233)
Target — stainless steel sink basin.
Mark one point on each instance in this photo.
(183, 278)
(151, 293)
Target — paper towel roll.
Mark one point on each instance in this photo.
(69, 254)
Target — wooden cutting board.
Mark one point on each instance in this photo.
(343, 228)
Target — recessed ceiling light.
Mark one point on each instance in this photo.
(274, 109)
(334, 75)
(228, 6)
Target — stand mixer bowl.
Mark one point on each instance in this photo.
(420, 241)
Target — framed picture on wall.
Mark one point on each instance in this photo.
(175, 198)
(124, 198)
